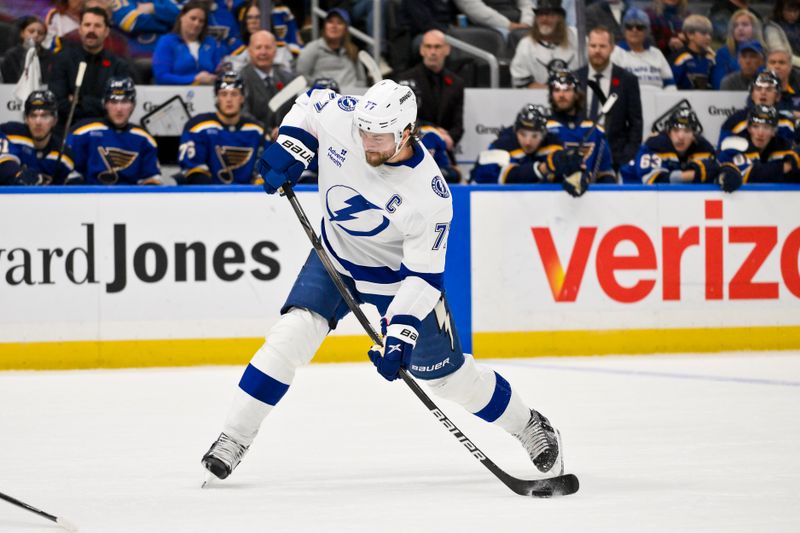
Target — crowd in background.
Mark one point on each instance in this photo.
(665, 44)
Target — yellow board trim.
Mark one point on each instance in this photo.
(345, 349)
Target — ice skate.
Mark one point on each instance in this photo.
(543, 444)
(223, 456)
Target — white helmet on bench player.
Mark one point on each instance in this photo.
(387, 108)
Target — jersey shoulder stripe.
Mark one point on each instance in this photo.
(142, 133)
(91, 126)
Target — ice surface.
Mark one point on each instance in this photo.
(686, 443)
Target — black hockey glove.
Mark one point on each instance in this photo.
(577, 183)
(729, 177)
(30, 177)
(705, 170)
(564, 162)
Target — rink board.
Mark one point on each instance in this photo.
(170, 277)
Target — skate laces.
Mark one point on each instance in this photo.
(228, 450)
(538, 437)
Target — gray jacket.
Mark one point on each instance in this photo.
(318, 60)
(497, 13)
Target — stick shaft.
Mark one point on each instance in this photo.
(27, 507)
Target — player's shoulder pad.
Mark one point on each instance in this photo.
(659, 143)
(703, 145)
(88, 125)
(17, 133)
(136, 130)
(553, 124)
(428, 129)
(506, 140)
(202, 122)
(251, 125)
(588, 124)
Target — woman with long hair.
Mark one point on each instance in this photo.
(32, 32)
(333, 55)
(187, 56)
(743, 27)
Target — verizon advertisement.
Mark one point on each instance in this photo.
(147, 265)
(545, 261)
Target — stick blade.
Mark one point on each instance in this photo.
(372, 67)
(292, 89)
(66, 524)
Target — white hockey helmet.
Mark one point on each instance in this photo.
(387, 108)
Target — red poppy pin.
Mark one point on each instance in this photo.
(615, 82)
(279, 86)
(106, 63)
(448, 80)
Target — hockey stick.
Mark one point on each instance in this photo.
(60, 520)
(292, 89)
(78, 83)
(372, 67)
(575, 178)
(542, 488)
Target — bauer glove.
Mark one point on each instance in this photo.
(730, 178)
(286, 159)
(400, 337)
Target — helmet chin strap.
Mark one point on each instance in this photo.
(399, 148)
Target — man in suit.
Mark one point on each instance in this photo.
(441, 89)
(623, 124)
(264, 80)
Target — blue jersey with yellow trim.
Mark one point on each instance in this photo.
(431, 139)
(520, 168)
(596, 152)
(764, 166)
(9, 163)
(38, 160)
(211, 151)
(143, 29)
(105, 154)
(736, 124)
(692, 70)
(284, 26)
(657, 159)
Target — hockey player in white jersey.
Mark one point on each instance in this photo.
(386, 215)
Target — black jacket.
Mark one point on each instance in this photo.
(99, 68)
(14, 64)
(623, 124)
(442, 98)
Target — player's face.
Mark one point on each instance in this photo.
(764, 94)
(761, 134)
(378, 147)
(780, 64)
(529, 140)
(682, 138)
(35, 31)
(119, 112)
(41, 123)
(563, 97)
(742, 29)
(230, 102)
(93, 31)
(192, 23)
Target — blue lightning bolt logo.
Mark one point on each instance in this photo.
(354, 206)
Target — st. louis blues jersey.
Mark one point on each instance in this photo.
(385, 227)
(657, 159)
(431, 139)
(9, 163)
(764, 166)
(518, 167)
(38, 161)
(213, 152)
(104, 154)
(597, 154)
(692, 70)
(144, 28)
(736, 124)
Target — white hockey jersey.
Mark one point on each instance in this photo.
(385, 227)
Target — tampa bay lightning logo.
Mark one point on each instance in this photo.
(353, 213)
(347, 103)
(440, 187)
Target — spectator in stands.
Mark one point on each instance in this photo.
(333, 55)
(693, 64)
(222, 24)
(635, 54)
(786, 14)
(751, 60)
(101, 65)
(607, 13)
(31, 34)
(764, 156)
(187, 56)
(744, 27)
(567, 122)
(143, 22)
(111, 150)
(421, 16)
(765, 90)
(623, 123)
(62, 19)
(775, 37)
(35, 143)
(222, 147)
(679, 154)
(526, 153)
(264, 80)
(779, 61)
(550, 40)
(66, 18)
(666, 21)
(721, 12)
(287, 48)
(502, 15)
(441, 89)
